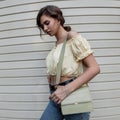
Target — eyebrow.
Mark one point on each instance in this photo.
(46, 21)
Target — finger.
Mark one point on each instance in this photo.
(56, 100)
(59, 101)
(53, 97)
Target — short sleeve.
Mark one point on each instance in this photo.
(80, 47)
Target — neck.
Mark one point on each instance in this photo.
(61, 35)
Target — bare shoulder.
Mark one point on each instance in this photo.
(72, 34)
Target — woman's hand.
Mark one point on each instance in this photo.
(60, 94)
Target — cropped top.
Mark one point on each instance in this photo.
(77, 48)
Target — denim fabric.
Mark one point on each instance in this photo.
(53, 112)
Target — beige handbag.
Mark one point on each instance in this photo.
(77, 102)
(80, 100)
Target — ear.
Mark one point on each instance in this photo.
(58, 21)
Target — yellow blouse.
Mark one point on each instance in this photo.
(77, 48)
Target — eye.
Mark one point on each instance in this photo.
(47, 22)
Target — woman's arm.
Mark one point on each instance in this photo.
(92, 69)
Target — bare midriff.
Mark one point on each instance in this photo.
(52, 79)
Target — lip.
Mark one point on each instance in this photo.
(49, 32)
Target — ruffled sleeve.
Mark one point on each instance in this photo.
(80, 47)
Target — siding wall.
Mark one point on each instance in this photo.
(23, 83)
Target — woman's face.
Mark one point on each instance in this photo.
(49, 25)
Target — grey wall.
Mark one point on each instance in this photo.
(23, 84)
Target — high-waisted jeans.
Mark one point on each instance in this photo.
(53, 112)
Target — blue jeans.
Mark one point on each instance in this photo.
(53, 112)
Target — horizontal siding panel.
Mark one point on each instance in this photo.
(110, 117)
(96, 27)
(21, 40)
(106, 111)
(106, 52)
(19, 32)
(110, 68)
(92, 11)
(107, 103)
(25, 48)
(7, 3)
(106, 77)
(32, 7)
(17, 25)
(20, 114)
(24, 89)
(18, 17)
(22, 64)
(104, 86)
(22, 106)
(105, 43)
(23, 73)
(105, 94)
(18, 118)
(102, 35)
(12, 97)
(15, 2)
(20, 81)
(92, 19)
(23, 56)
(108, 60)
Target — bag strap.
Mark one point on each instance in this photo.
(59, 66)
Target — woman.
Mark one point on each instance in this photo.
(77, 52)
